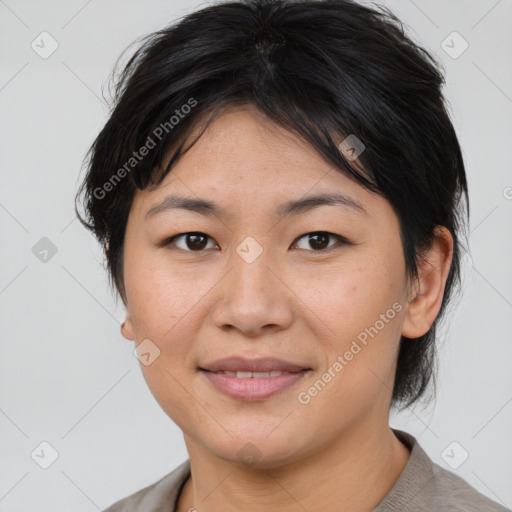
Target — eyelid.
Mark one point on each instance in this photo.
(341, 241)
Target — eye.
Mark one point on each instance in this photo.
(193, 241)
(319, 240)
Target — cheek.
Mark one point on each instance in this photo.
(356, 311)
(346, 299)
(159, 295)
(163, 303)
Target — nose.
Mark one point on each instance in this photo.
(253, 299)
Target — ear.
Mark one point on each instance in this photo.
(433, 269)
(127, 328)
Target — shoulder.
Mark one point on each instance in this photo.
(454, 493)
(424, 486)
(157, 497)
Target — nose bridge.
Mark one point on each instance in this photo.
(251, 276)
(251, 265)
(252, 296)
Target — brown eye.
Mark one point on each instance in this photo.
(195, 241)
(319, 240)
(191, 242)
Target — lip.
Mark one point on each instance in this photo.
(262, 364)
(253, 388)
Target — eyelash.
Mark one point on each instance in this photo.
(341, 240)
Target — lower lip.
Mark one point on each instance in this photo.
(252, 388)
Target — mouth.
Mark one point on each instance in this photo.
(253, 379)
(255, 375)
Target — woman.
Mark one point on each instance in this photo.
(279, 193)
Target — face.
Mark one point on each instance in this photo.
(320, 288)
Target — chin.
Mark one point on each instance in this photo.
(259, 451)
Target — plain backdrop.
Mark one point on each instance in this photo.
(68, 378)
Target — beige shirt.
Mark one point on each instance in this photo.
(423, 486)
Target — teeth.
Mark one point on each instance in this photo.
(256, 375)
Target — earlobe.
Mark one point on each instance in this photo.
(433, 270)
(127, 329)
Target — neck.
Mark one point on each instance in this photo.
(357, 472)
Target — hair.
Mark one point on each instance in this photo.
(322, 69)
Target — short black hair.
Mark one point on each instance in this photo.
(323, 69)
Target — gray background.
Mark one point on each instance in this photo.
(67, 376)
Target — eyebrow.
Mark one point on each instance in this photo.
(294, 207)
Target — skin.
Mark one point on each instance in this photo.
(294, 302)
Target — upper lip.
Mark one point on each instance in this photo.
(242, 364)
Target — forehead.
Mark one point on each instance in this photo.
(245, 158)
